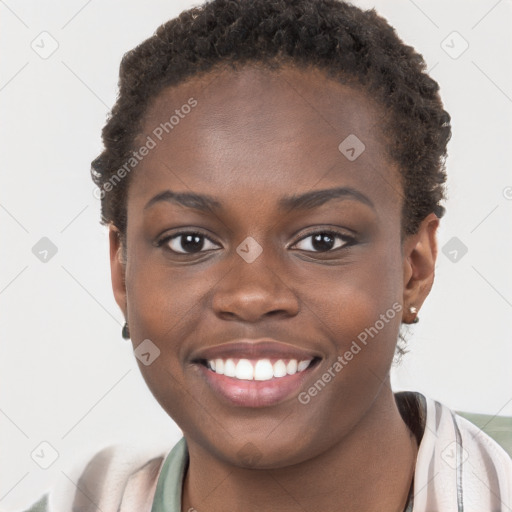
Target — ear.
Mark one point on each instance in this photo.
(419, 257)
(117, 267)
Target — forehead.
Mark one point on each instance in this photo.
(255, 127)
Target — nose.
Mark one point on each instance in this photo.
(250, 292)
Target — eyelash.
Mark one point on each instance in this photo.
(347, 239)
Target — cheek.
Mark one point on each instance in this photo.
(360, 311)
(167, 308)
(162, 303)
(361, 296)
(364, 328)
(361, 316)
(161, 310)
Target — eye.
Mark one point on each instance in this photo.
(188, 242)
(324, 241)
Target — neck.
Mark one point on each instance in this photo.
(370, 469)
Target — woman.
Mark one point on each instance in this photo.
(272, 180)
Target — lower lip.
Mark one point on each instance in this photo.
(255, 393)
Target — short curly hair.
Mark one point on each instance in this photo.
(350, 44)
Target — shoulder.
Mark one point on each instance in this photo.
(489, 436)
(498, 428)
(114, 475)
(458, 462)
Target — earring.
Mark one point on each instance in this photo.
(414, 311)
(125, 333)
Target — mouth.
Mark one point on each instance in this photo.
(258, 374)
(259, 369)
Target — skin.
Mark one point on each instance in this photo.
(254, 137)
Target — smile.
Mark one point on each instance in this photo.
(260, 369)
(255, 373)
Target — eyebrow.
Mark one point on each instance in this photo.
(189, 199)
(316, 198)
(305, 201)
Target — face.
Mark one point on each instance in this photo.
(253, 236)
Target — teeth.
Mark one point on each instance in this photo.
(291, 367)
(279, 369)
(244, 370)
(262, 369)
(229, 368)
(302, 365)
(219, 366)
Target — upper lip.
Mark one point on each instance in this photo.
(254, 349)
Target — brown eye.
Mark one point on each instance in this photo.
(323, 241)
(189, 243)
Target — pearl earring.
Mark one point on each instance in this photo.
(414, 311)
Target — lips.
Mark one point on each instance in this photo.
(255, 373)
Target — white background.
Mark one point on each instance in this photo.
(67, 377)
